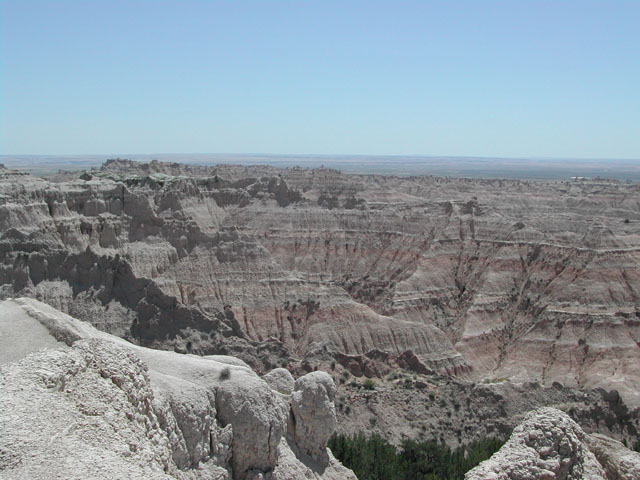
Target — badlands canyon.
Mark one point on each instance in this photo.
(176, 304)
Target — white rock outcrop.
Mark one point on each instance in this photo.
(293, 464)
(619, 462)
(90, 405)
(281, 380)
(313, 413)
(84, 412)
(548, 445)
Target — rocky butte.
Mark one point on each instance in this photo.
(469, 302)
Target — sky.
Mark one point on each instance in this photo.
(514, 78)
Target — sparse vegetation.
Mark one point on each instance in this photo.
(369, 384)
(494, 380)
(372, 457)
(225, 373)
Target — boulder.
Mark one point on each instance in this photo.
(546, 445)
(281, 380)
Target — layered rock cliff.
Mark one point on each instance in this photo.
(481, 279)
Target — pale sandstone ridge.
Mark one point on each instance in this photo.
(96, 406)
(549, 445)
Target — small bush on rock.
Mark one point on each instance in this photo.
(369, 384)
(225, 374)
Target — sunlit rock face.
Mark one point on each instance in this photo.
(549, 445)
(78, 402)
(482, 279)
(617, 460)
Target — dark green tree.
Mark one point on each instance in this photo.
(373, 458)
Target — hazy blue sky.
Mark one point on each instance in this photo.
(479, 78)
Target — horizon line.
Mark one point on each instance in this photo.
(318, 155)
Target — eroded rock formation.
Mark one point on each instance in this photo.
(313, 414)
(617, 460)
(496, 281)
(549, 445)
(97, 406)
(455, 412)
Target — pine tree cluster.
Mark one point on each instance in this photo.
(372, 457)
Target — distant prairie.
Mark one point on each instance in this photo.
(626, 170)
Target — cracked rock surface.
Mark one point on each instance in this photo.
(86, 404)
(547, 445)
(313, 413)
(617, 460)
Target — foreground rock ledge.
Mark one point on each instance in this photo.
(80, 403)
(548, 445)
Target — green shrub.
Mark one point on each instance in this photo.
(369, 384)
